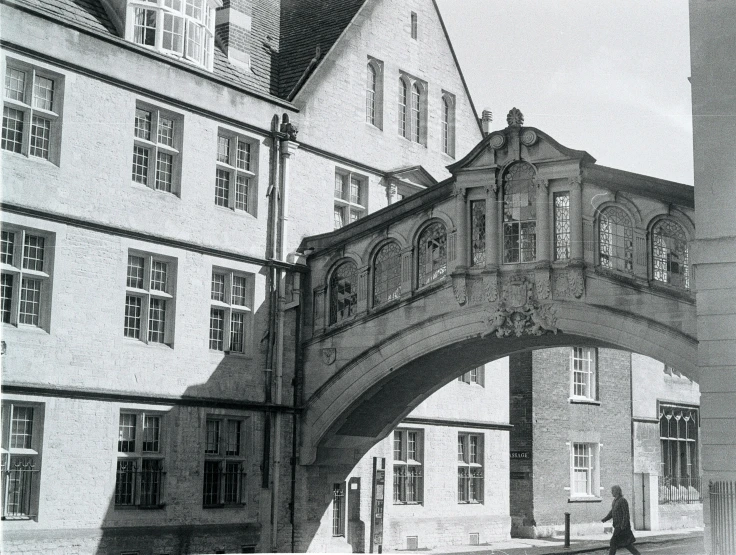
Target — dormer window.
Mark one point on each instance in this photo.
(180, 28)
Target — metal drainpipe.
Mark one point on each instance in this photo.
(295, 419)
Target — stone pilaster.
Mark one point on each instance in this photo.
(543, 228)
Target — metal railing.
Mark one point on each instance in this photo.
(680, 489)
(18, 478)
(140, 487)
(722, 496)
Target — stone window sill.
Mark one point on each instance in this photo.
(579, 401)
(585, 500)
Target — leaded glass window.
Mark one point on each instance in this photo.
(403, 101)
(670, 254)
(478, 231)
(562, 226)
(616, 240)
(387, 274)
(343, 292)
(678, 434)
(432, 254)
(370, 96)
(519, 215)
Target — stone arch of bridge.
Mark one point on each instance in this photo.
(369, 395)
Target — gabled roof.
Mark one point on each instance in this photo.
(305, 26)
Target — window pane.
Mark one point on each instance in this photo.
(143, 124)
(7, 297)
(240, 288)
(218, 287)
(21, 428)
(343, 292)
(223, 149)
(12, 139)
(30, 302)
(43, 93)
(125, 482)
(461, 448)
(519, 214)
(478, 226)
(670, 254)
(40, 137)
(432, 254)
(151, 429)
(398, 450)
(156, 320)
(241, 192)
(355, 190)
(562, 226)
(151, 478)
(210, 494)
(370, 96)
(222, 188)
(339, 217)
(166, 131)
(173, 36)
(446, 107)
(412, 446)
(15, 84)
(158, 275)
(233, 477)
(217, 329)
(387, 274)
(416, 96)
(233, 437)
(473, 444)
(194, 8)
(164, 171)
(33, 251)
(616, 240)
(126, 433)
(8, 247)
(194, 42)
(237, 332)
(243, 155)
(140, 164)
(135, 272)
(403, 95)
(132, 326)
(144, 27)
(213, 437)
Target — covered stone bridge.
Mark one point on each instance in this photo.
(529, 244)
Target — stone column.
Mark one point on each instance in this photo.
(576, 219)
(543, 236)
(492, 227)
(461, 241)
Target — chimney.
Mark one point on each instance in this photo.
(486, 120)
(232, 30)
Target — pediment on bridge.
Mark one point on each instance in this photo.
(517, 142)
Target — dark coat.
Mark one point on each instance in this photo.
(622, 534)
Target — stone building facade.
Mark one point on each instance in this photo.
(160, 161)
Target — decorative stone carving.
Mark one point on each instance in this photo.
(490, 284)
(459, 287)
(497, 141)
(541, 282)
(560, 285)
(531, 319)
(541, 183)
(329, 355)
(529, 137)
(515, 117)
(576, 281)
(575, 180)
(288, 128)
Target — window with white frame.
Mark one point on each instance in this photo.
(27, 263)
(475, 376)
(584, 470)
(413, 109)
(235, 176)
(448, 123)
(32, 102)
(583, 370)
(157, 136)
(351, 197)
(338, 509)
(184, 29)
(224, 462)
(22, 438)
(374, 93)
(469, 468)
(231, 310)
(140, 460)
(149, 298)
(408, 467)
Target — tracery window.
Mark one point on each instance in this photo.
(432, 254)
(370, 96)
(670, 254)
(478, 231)
(343, 292)
(616, 240)
(678, 433)
(519, 215)
(562, 226)
(416, 113)
(387, 274)
(403, 100)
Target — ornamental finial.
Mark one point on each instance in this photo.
(515, 117)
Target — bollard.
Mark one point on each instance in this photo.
(567, 530)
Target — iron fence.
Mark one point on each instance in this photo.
(19, 475)
(680, 489)
(722, 517)
(140, 486)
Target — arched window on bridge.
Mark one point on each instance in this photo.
(387, 274)
(519, 215)
(670, 254)
(432, 254)
(343, 292)
(616, 240)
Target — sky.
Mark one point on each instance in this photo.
(606, 76)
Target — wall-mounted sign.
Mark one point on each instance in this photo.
(521, 455)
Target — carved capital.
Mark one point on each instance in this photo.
(576, 280)
(541, 183)
(575, 181)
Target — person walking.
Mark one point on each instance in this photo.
(622, 534)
